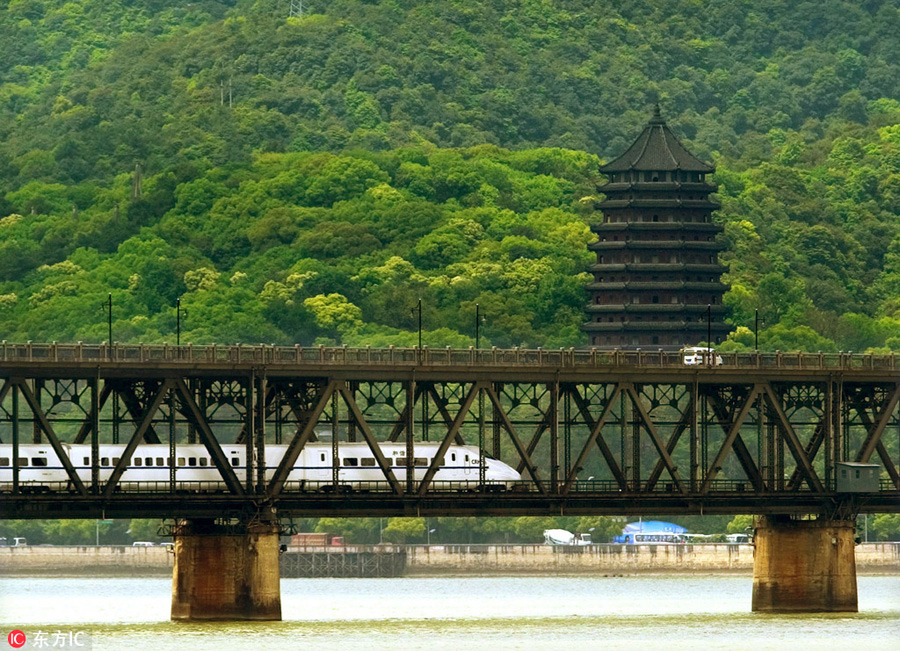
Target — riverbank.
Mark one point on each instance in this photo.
(443, 560)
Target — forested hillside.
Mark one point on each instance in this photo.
(309, 179)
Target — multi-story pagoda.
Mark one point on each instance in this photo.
(657, 280)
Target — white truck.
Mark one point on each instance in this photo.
(563, 537)
(699, 355)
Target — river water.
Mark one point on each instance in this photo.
(646, 612)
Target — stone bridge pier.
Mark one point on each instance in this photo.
(226, 572)
(804, 565)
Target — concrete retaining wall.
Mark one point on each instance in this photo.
(88, 559)
(450, 559)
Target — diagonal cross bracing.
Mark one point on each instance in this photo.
(596, 437)
(136, 438)
(733, 431)
(301, 438)
(740, 449)
(208, 439)
(51, 435)
(370, 438)
(879, 447)
(654, 436)
(134, 407)
(793, 441)
(812, 449)
(451, 434)
(88, 423)
(523, 453)
(670, 446)
(874, 435)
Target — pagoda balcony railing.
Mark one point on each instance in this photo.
(636, 202)
(708, 269)
(645, 308)
(687, 227)
(658, 186)
(135, 354)
(686, 245)
(674, 286)
(655, 327)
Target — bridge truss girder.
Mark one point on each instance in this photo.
(604, 445)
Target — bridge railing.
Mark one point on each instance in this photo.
(505, 357)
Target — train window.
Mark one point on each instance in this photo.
(204, 461)
(104, 461)
(181, 461)
(115, 461)
(148, 461)
(467, 458)
(4, 461)
(192, 461)
(400, 461)
(168, 461)
(421, 461)
(453, 456)
(39, 461)
(23, 462)
(365, 461)
(235, 462)
(351, 461)
(159, 461)
(442, 461)
(87, 461)
(138, 461)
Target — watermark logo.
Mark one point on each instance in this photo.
(51, 640)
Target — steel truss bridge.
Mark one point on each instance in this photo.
(591, 432)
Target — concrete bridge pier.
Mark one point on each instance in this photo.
(804, 566)
(226, 572)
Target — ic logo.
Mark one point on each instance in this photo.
(16, 639)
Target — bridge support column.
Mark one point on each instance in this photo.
(804, 566)
(226, 572)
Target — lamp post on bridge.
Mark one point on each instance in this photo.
(709, 352)
(479, 318)
(178, 314)
(107, 307)
(412, 311)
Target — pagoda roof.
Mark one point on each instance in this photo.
(657, 150)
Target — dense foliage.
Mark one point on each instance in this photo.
(290, 179)
(324, 248)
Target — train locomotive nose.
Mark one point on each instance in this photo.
(501, 471)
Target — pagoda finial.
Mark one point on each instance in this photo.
(657, 115)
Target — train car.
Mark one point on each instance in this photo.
(151, 466)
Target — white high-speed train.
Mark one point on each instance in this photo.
(41, 470)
